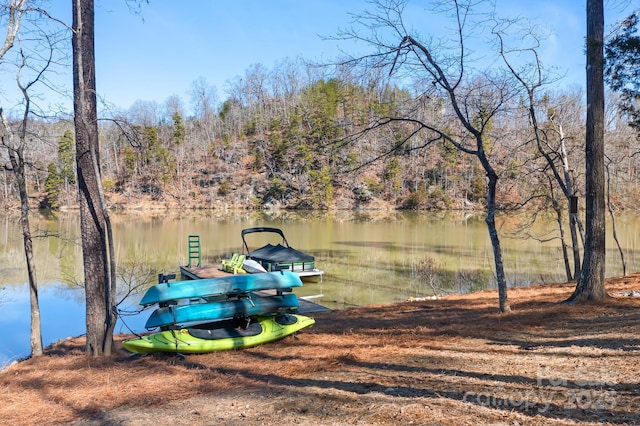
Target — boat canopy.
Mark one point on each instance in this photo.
(280, 254)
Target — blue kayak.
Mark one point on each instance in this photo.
(243, 307)
(232, 284)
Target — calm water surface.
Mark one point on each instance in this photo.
(368, 258)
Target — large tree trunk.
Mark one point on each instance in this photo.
(100, 319)
(591, 282)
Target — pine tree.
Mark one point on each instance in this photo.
(179, 132)
(52, 186)
(66, 158)
(622, 54)
(66, 162)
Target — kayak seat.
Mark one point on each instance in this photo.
(225, 330)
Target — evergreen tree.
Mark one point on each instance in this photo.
(52, 186)
(66, 158)
(179, 132)
(321, 191)
(391, 175)
(152, 144)
(622, 55)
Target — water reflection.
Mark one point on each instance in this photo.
(368, 257)
(62, 315)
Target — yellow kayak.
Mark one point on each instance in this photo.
(220, 335)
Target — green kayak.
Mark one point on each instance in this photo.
(220, 335)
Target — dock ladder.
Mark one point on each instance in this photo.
(194, 251)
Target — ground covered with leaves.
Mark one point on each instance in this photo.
(452, 361)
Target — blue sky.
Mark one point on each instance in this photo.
(169, 45)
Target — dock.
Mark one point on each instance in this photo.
(202, 272)
(215, 271)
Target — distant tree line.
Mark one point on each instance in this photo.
(294, 137)
(288, 139)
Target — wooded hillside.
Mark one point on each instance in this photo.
(289, 138)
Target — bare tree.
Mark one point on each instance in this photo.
(15, 141)
(445, 73)
(13, 12)
(549, 138)
(614, 228)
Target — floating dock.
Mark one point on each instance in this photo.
(202, 272)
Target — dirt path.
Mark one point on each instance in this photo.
(450, 361)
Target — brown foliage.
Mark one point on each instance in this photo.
(450, 361)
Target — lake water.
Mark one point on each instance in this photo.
(368, 258)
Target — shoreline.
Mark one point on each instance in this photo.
(453, 361)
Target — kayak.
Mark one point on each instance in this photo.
(220, 335)
(242, 307)
(232, 284)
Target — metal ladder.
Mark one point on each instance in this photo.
(194, 251)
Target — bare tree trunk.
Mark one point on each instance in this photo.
(573, 215)
(557, 208)
(591, 282)
(100, 303)
(18, 168)
(16, 156)
(5, 187)
(17, 163)
(613, 224)
(503, 301)
(550, 156)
